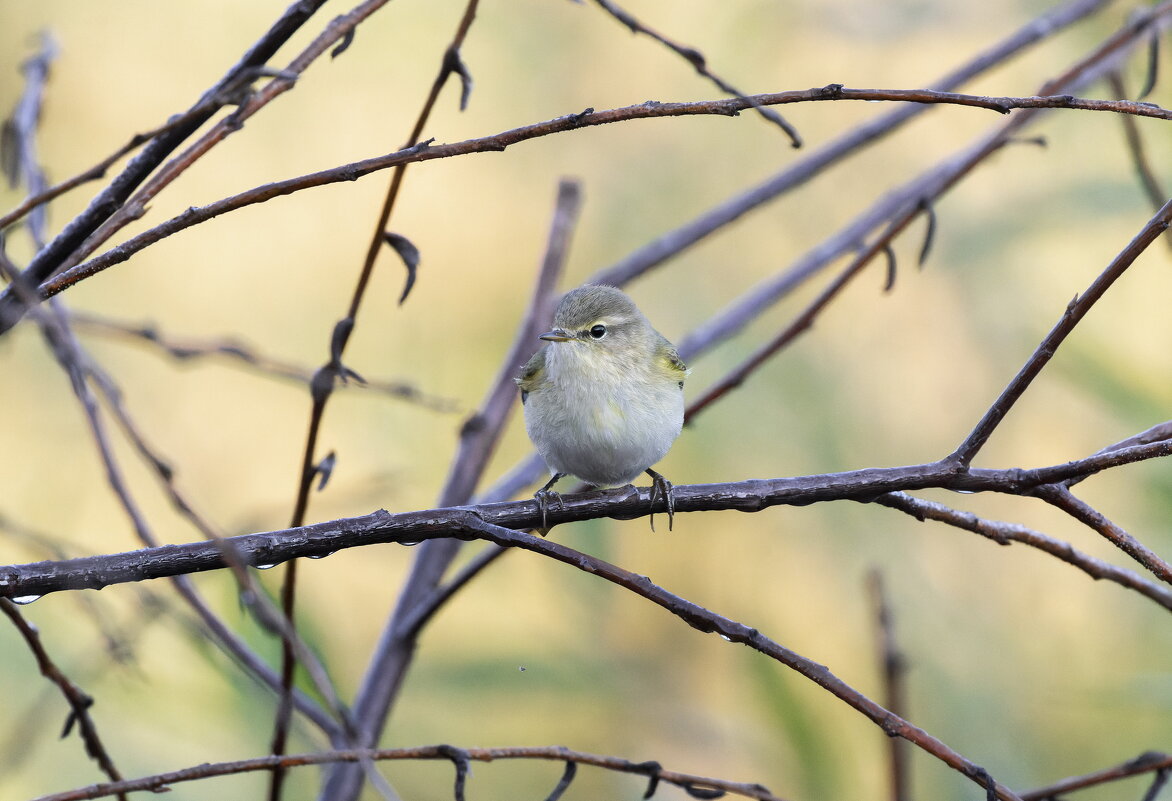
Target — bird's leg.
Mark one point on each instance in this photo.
(661, 487)
(542, 496)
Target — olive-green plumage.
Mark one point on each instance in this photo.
(604, 399)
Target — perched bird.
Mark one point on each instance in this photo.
(604, 400)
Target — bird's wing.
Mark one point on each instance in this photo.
(531, 374)
(670, 360)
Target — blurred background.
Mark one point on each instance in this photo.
(1020, 662)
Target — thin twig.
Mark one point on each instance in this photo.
(451, 64)
(95, 172)
(800, 324)
(478, 439)
(1144, 763)
(79, 702)
(1004, 533)
(427, 151)
(699, 63)
(902, 201)
(1135, 146)
(1075, 311)
(674, 242)
(235, 352)
(163, 781)
(81, 370)
(893, 667)
(238, 92)
(710, 622)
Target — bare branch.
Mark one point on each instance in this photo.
(163, 781)
(624, 503)
(478, 438)
(50, 258)
(1075, 311)
(18, 147)
(893, 667)
(1148, 762)
(234, 352)
(1004, 533)
(1135, 146)
(699, 63)
(1064, 499)
(426, 152)
(79, 702)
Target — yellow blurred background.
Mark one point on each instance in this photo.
(1020, 662)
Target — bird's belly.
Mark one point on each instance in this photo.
(608, 438)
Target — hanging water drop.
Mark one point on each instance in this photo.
(266, 567)
(26, 599)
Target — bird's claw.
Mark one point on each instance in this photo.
(543, 497)
(662, 488)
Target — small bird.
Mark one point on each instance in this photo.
(604, 400)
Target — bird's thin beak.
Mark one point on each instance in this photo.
(556, 335)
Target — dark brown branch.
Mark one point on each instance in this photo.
(1075, 311)
(800, 324)
(79, 702)
(1144, 763)
(426, 151)
(93, 173)
(1004, 533)
(1062, 498)
(163, 781)
(624, 503)
(248, 101)
(709, 622)
(81, 371)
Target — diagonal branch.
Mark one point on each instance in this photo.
(699, 63)
(1004, 533)
(79, 702)
(51, 257)
(1075, 311)
(1062, 498)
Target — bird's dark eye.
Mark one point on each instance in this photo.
(598, 331)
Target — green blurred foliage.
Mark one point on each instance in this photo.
(1018, 661)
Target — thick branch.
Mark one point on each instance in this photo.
(410, 528)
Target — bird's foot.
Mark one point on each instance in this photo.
(543, 497)
(662, 488)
